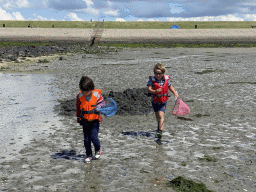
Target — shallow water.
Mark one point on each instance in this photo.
(136, 161)
(26, 110)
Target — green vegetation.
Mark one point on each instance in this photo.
(143, 171)
(228, 175)
(214, 148)
(131, 24)
(49, 24)
(184, 185)
(2, 68)
(181, 24)
(207, 158)
(4, 178)
(43, 61)
(9, 44)
(134, 25)
(93, 187)
(175, 45)
(200, 115)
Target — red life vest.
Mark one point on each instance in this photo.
(88, 107)
(162, 96)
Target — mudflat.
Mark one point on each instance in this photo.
(214, 144)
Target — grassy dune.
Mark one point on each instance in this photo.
(49, 24)
(131, 24)
(181, 24)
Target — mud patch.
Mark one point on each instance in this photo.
(241, 83)
(129, 102)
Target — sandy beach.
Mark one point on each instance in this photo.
(129, 35)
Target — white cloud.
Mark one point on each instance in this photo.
(41, 18)
(153, 20)
(114, 13)
(16, 4)
(22, 3)
(72, 17)
(140, 20)
(18, 16)
(91, 11)
(250, 17)
(228, 17)
(110, 3)
(38, 17)
(88, 2)
(175, 8)
(7, 16)
(120, 19)
(7, 5)
(207, 18)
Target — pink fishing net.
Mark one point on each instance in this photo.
(180, 108)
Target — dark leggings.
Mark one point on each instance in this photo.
(91, 130)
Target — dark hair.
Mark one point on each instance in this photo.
(86, 84)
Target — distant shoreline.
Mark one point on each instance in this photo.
(158, 36)
(129, 24)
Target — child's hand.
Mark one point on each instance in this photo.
(79, 120)
(97, 108)
(158, 90)
(176, 94)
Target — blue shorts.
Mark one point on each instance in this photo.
(159, 106)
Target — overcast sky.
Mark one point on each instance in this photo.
(125, 10)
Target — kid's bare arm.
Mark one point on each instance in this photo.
(171, 88)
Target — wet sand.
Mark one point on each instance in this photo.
(214, 144)
(129, 35)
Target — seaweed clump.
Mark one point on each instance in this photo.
(184, 185)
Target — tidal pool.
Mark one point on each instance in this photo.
(26, 110)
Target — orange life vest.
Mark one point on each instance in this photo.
(88, 107)
(162, 96)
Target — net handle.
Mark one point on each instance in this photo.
(176, 97)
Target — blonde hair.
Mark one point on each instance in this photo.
(160, 66)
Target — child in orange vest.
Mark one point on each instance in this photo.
(159, 86)
(87, 102)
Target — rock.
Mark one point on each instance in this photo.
(21, 53)
(29, 54)
(12, 57)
